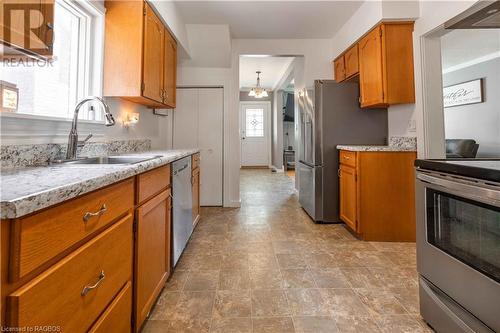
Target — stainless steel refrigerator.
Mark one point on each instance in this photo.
(329, 115)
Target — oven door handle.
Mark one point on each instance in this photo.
(473, 191)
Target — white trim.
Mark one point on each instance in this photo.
(30, 116)
(266, 128)
(473, 62)
(432, 95)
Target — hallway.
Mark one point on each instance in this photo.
(266, 268)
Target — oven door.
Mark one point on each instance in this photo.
(458, 241)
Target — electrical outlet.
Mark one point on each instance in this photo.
(412, 125)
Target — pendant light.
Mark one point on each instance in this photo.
(258, 91)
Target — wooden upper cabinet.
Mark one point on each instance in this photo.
(339, 69)
(371, 78)
(386, 65)
(28, 27)
(169, 70)
(351, 61)
(154, 39)
(139, 55)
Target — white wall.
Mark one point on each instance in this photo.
(480, 121)
(209, 45)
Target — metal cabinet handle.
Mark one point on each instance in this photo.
(89, 215)
(338, 172)
(86, 289)
(346, 157)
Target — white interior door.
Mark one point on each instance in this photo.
(255, 134)
(198, 123)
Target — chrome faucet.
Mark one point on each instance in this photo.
(73, 142)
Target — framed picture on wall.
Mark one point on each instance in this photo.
(470, 92)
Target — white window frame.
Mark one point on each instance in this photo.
(89, 60)
(25, 128)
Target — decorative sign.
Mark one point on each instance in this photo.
(470, 92)
(8, 96)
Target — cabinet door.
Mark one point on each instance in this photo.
(371, 69)
(351, 61)
(196, 194)
(348, 196)
(152, 70)
(339, 69)
(169, 70)
(151, 257)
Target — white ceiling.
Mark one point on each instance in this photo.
(271, 19)
(272, 68)
(460, 47)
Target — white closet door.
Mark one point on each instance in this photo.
(198, 123)
(210, 106)
(185, 126)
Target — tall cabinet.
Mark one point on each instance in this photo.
(140, 55)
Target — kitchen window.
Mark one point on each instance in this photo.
(52, 88)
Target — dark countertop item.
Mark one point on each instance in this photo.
(485, 169)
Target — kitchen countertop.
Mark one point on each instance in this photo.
(27, 190)
(376, 148)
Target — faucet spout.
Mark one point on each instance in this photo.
(73, 134)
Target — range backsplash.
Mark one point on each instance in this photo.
(14, 156)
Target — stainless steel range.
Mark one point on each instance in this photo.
(458, 244)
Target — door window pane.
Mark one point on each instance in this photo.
(254, 120)
(466, 230)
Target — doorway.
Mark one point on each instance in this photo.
(255, 134)
(198, 123)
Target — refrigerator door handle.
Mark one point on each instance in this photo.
(310, 164)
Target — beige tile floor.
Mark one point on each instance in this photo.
(266, 268)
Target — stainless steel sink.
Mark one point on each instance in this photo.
(112, 160)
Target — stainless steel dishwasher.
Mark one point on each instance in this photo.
(182, 205)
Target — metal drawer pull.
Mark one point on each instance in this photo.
(86, 289)
(101, 211)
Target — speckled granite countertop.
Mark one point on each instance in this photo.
(374, 148)
(396, 143)
(26, 190)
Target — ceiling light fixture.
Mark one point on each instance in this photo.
(258, 91)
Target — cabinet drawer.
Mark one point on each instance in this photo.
(195, 161)
(348, 158)
(152, 182)
(41, 237)
(118, 315)
(57, 297)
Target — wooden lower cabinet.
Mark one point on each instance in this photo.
(348, 196)
(98, 274)
(114, 319)
(377, 195)
(152, 253)
(74, 292)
